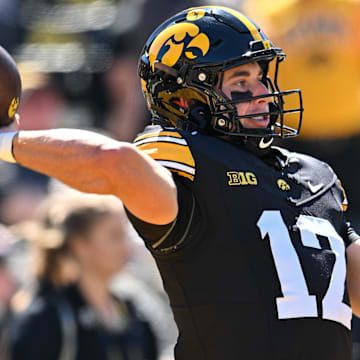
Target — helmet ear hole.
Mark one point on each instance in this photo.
(204, 76)
(200, 115)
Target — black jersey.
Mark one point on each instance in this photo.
(260, 272)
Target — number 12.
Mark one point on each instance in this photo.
(297, 302)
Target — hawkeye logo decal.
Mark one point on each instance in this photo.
(181, 38)
(13, 107)
(283, 185)
(194, 15)
(241, 178)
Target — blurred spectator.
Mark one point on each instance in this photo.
(21, 192)
(7, 286)
(42, 104)
(81, 243)
(11, 32)
(126, 113)
(322, 41)
(156, 11)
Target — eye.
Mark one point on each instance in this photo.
(241, 82)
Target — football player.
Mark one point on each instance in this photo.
(251, 240)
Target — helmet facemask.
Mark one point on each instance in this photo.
(224, 115)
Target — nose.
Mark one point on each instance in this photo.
(260, 89)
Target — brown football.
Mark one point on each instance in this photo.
(10, 88)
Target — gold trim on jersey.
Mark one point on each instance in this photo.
(159, 133)
(170, 150)
(183, 174)
(345, 203)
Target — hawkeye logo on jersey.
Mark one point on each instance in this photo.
(283, 185)
(241, 178)
(181, 38)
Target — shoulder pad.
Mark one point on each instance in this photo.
(169, 148)
(316, 178)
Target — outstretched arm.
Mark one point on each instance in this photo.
(94, 163)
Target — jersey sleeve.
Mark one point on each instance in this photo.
(166, 239)
(169, 148)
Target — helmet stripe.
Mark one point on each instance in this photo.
(246, 21)
(255, 33)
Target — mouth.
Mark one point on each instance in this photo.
(257, 121)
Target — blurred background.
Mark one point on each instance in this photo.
(78, 60)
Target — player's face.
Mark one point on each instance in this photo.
(242, 82)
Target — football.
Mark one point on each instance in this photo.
(10, 88)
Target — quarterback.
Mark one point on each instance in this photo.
(251, 240)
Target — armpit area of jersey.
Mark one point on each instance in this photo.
(149, 232)
(165, 239)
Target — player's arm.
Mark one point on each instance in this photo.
(353, 275)
(90, 162)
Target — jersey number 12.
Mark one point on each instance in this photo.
(297, 302)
